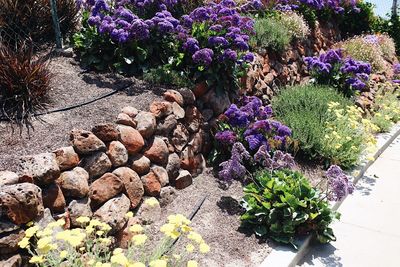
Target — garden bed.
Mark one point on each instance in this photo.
(71, 86)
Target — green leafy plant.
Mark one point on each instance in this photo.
(166, 75)
(282, 205)
(354, 23)
(270, 33)
(24, 83)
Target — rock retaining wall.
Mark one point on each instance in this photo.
(107, 171)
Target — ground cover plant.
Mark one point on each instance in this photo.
(343, 73)
(322, 120)
(282, 205)
(24, 83)
(90, 245)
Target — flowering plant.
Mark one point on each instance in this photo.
(345, 74)
(339, 185)
(251, 139)
(89, 245)
(282, 205)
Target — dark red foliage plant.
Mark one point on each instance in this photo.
(24, 83)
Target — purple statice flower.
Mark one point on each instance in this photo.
(234, 167)
(191, 45)
(284, 131)
(203, 56)
(248, 57)
(226, 137)
(339, 184)
(229, 54)
(236, 117)
(217, 41)
(216, 28)
(255, 140)
(279, 160)
(396, 68)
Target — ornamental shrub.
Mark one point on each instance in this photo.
(345, 74)
(24, 83)
(270, 33)
(208, 45)
(32, 18)
(90, 245)
(386, 108)
(282, 205)
(355, 22)
(366, 48)
(295, 24)
(249, 139)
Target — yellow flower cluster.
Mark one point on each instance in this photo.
(88, 245)
(386, 110)
(348, 135)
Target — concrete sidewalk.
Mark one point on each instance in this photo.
(368, 234)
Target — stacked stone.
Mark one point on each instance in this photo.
(272, 70)
(107, 171)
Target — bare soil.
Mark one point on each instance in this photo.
(71, 86)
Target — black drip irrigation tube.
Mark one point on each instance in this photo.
(74, 106)
(191, 216)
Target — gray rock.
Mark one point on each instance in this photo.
(161, 174)
(13, 261)
(43, 168)
(145, 123)
(130, 111)
(9, 242)
(218, 103)
(97, 164)
(183, 180)
(180, 137)
(141, 164)
(188, 96)
(173, 166)
(23, 202)
(167, 195)
(79, 208)
(67, 158)
(178, 111)
(6, 226)
(150, 211)
(125, 119)
(174, 96)
(8, 178)
(166, 126)
(74, 183)
(113, 212)
(117, 153)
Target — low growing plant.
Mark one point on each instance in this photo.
(295, 24)
(304, 109)
(282, 205)
(90, 245)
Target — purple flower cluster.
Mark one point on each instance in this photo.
(280, 160)
(119, 21)
(335, 5)
(396, 68)
(229, 37)
(234, 167)
(328, 66)
(339, 184)
(226, 137)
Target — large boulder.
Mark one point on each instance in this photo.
(131, 139)
(74, 183)
(113, 212)
(173, 166)
(183, 180)
(85, 142)
(152, 186)
(133, 186)
(42, 168)
(22, 202)
(161, 109)
(67, 158)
